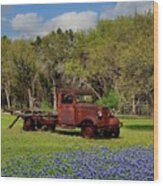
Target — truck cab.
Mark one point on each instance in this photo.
(78, 108)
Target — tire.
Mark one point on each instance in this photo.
(28, 125)
(116, 133)
(52, 128)
(44, 128)
(88, 132)
(107, 134)
(38, 125)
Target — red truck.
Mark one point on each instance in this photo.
(76, 108)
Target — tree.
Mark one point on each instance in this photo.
(116, 56)
(56, 49)
(25, 59)
(136, 63)
(7, 70)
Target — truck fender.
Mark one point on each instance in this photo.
(89, 120)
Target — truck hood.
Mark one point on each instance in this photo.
(90, 105)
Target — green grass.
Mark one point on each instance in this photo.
(16, 142)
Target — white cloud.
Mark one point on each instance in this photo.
(30, 25)
(127, 8)
(29, 22)
(73, 20)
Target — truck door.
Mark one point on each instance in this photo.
(67, 110)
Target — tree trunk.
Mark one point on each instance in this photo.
(33, 88)
(151, 104)
(133, 105)
(30, 99)
(8, 99)
(96, 93)
(138, 107)
(54, 97)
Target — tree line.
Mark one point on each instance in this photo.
(115, 60)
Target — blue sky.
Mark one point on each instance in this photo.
(27, 21)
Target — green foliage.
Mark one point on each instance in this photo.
(45, 106)
(116, 55)
(146, 110)
(24, 59)
(73, 68)
(110, 99)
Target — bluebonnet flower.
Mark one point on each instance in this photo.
(134, 163)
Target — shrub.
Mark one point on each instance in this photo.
(45, 106)
(110, 99)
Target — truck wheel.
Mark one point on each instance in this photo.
(52, 128)
(38, 125)
(28, 126)
(88, 132)
(116, 133)
(44, 128)
(107, 134)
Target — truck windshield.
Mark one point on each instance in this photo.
(84, 98)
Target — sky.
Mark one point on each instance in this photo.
(28, 21)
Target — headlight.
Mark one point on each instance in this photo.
(99, 113)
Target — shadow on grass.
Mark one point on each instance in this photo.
(140, 127)
(78, 133)
(69, 133)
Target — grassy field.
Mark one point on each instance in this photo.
(16, 142)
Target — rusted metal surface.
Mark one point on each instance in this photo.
(74, 113)
(75, 108)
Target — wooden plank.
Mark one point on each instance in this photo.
(13, 123)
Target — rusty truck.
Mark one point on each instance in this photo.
(75, 109)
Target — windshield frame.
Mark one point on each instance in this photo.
(84, 94)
